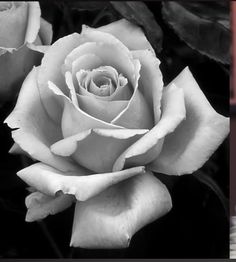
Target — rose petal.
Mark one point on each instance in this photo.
(110, 219)
(150, 82)
(70, 85)
(16, 149)
(74, 120)
(137, 113)
(148, 147)
(104, 110)
(50, 181)
(194, 141)
(33, 23)
(50, 69)
(13, 23)
(123, 61)
(128, 33)
(40, 205)
(122, 92)
(36, 132)
(45, 32)
(43, 39)
(97, 149)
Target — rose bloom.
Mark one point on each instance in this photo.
(22, 36)
(96, 116)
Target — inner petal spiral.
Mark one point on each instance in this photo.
(103, 81)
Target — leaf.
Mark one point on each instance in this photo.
(86, 5)
(138, 13)
(203, 26)
(210, 183)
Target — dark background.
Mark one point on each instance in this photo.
(198, 224)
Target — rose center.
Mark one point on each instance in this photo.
(102, 81)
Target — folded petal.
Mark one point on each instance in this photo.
(35, 131)
(150, 81)
(110, 219)
(194, 141)
(40, 205)
(50, 181)
(128, 33)
(148, 147)
(97, 149)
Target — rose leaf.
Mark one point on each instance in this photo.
(203, 26)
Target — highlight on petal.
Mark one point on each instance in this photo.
(128, 33)
(110, 219)
(196, 138)
(40, 205)
(150, 82)
(97, 149)
(148, 147)
(35, 131)
(50, 181)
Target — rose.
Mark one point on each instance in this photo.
(94, 114)
(22, 34)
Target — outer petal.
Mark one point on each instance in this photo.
(97, 149)
(148, 147)
(36, 132)
(150, 81)
(128, 33)
(40, 205)
(51, 181)
(194, 141)
(110, 219)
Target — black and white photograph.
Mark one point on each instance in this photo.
(114, 123)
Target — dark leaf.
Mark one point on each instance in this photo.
(209, 182)
(138, 13)
(86, 5)
(203, 26)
